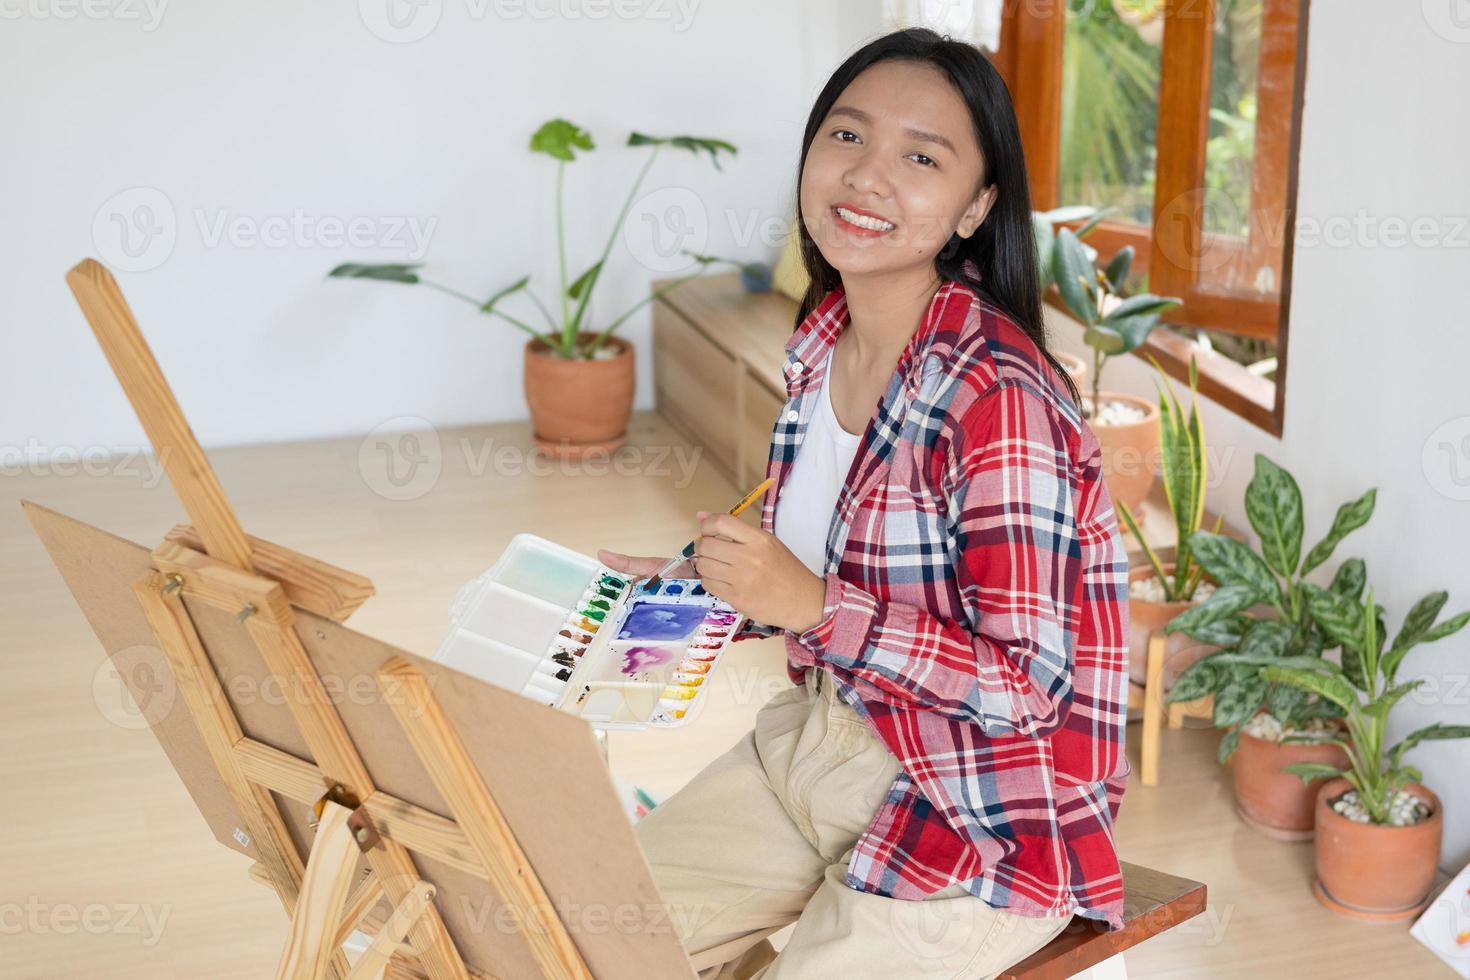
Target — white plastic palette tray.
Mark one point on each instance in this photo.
(558, 627)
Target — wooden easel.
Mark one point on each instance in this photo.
(215, 565)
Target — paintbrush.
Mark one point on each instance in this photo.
(688, 551)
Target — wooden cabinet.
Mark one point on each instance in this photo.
(696, 385)
(718, 356)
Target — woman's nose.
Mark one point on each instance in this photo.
(869, 175)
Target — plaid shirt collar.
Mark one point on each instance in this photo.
(933, 343)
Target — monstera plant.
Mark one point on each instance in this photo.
(579, 379)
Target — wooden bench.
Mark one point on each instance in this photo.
(1153, 902)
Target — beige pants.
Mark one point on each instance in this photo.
(761, 838)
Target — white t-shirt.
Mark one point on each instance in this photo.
(809, 491)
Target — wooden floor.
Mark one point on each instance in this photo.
(107, 870)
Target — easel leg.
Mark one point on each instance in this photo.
(376, 956)
(323, 896)
(443, 755)
(1153, 710)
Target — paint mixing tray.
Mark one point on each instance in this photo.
(558, 627)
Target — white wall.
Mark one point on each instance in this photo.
(194, 116)
(261, 110)
(1377, 393)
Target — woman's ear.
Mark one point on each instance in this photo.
(975, 214)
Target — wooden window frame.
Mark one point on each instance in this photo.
(1030, 61)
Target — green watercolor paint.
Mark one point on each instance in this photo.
(612, 581)
(594, 614)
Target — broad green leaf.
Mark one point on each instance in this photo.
(1333, 688)
(1197, 680)
(1273, 504)
(1231, 562)
(387, 272)
(694, 144)
(1105, 339)
(1224, 632)
(1284, 701)
(1222, 603)
(1266, 638)
(1144, 304)
(1340, 617)
(1350, 578)
(1380, 706)
(1117, 269)
(1350, 517)
(1074, 277)
(1133, 329)
(1228, 745)
(559, 138)
(1238, 700)
(1314, 664)
(1444, 629)
(1045, 246)
(1436, 732)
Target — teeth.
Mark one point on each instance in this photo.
(863, 221)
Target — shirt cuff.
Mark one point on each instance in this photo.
(818, 639)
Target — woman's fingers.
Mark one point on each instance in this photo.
(632, 564)
(641, 565)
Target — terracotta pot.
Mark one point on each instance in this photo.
(1180, 649)
(1129, 452)
(579, 406)
(1270, 801)
(1075, 366)
(1377, 873)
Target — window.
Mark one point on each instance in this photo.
(1183, 115)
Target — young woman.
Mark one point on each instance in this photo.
(936, 793)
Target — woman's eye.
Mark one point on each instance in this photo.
(839, 134)
(927, 161)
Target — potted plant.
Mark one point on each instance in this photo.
(1261, 610)
(1378, 826)
(578, 380)
(1043, 224)
(1160, 589)
(1127, 427)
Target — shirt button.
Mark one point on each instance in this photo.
(791, 415)
(797, 367)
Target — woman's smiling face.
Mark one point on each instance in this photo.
(893, 171)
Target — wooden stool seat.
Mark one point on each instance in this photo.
(1153, 902)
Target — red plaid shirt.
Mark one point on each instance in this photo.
(976, 615)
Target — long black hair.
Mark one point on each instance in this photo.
(1004, 246)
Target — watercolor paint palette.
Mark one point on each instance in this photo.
(558, 627)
